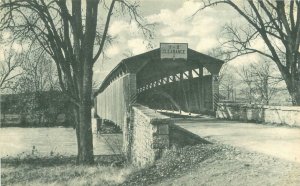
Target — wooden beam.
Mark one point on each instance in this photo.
(168, 79)
(201, 71)
(190, 74)
(181, 76)
(195, 70)
(185, 75)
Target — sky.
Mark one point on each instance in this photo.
(174, 23)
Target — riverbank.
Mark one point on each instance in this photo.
(204, 164)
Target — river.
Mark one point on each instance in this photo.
(46, 141)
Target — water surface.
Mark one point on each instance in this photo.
(16, 140)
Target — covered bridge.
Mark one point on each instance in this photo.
(172, 77)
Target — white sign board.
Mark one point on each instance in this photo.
(173, 51)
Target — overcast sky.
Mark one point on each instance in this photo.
(174, 23)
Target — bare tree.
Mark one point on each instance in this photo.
(69, 35)
(266, 81)
(39, 74)
(277, 24)
(10, 69)
(248, 80)
(262, 82)
(34, 86)
(228, 82)
(227, 76)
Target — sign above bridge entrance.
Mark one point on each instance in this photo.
(173, 51)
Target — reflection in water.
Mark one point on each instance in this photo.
(15, 140)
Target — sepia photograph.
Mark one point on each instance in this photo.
(150, 92)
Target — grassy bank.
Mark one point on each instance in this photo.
(60, 170)
(204, 164)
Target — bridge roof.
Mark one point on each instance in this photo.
(149, 66)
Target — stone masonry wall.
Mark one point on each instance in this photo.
(147, 135)
(268, 114)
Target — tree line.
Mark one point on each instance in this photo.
(36, 109)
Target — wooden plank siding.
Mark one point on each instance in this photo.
(114, 102)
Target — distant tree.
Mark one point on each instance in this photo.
(35, 86)
(10, 69)
(266, 81)
(68, 31)
(247, 78)
(39, 74)
(228, 82)
(277, 24)
(262, 82)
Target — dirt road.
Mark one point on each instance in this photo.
(277, 141)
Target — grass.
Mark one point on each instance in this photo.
(209, 164)
(61, 170)
(33, 169)
(69, 174)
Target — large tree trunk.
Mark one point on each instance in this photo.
(293, 87)
(85, 54)
(84, 129)
(85, 136)
(295, 94)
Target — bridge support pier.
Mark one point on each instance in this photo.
(146, 135)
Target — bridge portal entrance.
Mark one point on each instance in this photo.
(175, 77)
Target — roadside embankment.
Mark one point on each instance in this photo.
(216, 164)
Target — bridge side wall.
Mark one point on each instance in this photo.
(147, 135)
(113, 103)
(268, 114)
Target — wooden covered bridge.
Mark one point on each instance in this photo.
(172, 77)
